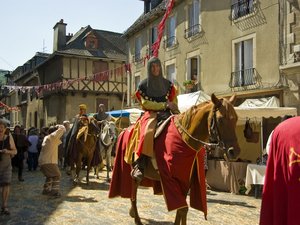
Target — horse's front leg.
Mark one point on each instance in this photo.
(78, 168)
(181, 216)
(133, 212)
(88, 169)
(108, 162)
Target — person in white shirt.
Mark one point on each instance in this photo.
(48, 160)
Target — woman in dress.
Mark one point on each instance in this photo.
(7, 151)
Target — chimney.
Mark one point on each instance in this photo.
(146, 6)
(59, 40)
(68, 37)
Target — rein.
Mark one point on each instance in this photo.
(206, 144)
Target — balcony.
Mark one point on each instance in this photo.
(192, 31)
(170, 42)
(242, 8)
(245, 79)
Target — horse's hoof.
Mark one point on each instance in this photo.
(75, 181)
(131, 213)
(138, 221)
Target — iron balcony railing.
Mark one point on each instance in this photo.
(242, 8)
(193, 30)
(244, 78)
(170, 42)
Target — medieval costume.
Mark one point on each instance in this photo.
(101, 114)
(281, 193)
(70, 150)
(153, 93)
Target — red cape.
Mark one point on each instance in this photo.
(175, 163)
(281, 194)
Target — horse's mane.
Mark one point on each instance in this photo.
(185, 118)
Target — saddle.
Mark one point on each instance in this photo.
(83, 131)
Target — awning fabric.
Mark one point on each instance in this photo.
(250, 108)
(263, 107)
(132, 113)
(185, 101)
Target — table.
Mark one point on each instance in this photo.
(226, 176)
(255, 175)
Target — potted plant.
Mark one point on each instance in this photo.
(189, 84)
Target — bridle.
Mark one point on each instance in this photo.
(213, 131)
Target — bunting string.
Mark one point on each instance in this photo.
(8, 108)
(98, 77)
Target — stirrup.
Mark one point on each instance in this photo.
(137, 174)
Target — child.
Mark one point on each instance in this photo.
(48, 160)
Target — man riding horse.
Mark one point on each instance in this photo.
(103, 120)
(158, 97)
(71, 136)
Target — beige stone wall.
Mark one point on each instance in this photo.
(215, 46)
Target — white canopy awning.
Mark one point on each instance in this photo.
(250, 108)
(263, 107)
(257, 112)
(185, 101)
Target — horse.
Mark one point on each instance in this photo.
(85, 144)
(107, 141)
(179, 151)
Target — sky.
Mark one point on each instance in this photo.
(26, 27)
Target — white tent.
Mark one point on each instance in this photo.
(256, 110)
(185, 101)
(263, 108)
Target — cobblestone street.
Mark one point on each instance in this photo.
(84, 204)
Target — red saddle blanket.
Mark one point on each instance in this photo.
(175, 161)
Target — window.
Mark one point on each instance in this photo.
(137, 49)
(153, 37)
(91, 41)
(244, 72)
(240, 8)
(171, 27)
(100, 69)
(193, 19)
(193, 72)
(137, 80)
(171, 73)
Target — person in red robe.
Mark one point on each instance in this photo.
(158, 97)
(281, 193)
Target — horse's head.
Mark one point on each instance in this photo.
(108, 132)
(211, 124)
(223, 119)
(93, 126)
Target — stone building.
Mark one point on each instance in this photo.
(222, 46)
(87, 67)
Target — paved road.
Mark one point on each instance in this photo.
(84, 204)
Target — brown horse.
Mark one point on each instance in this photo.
(85, 147)
(179, 152)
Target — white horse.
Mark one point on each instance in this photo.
(106, 142)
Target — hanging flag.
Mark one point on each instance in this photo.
(161, 28)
